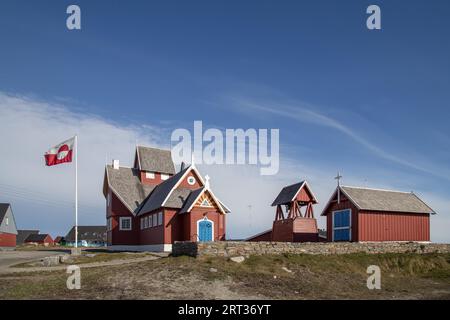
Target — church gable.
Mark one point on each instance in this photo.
(191, 180)
(206, 200)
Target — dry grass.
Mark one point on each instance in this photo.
(405, 276)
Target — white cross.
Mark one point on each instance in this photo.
(338, 178)
(207, 181)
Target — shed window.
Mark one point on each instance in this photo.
(155, 220)
(150, 221)
(150, 175)
(160, 218)
(164, 176)
(342, 225)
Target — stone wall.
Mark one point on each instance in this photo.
(244, 248)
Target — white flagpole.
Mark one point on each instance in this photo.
(76, 191)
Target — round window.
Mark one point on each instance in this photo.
(191, 180)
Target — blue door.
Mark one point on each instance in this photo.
(341, 225)
(205, 230)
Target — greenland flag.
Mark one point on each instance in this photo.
(61, 153)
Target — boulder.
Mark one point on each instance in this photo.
(237, 259)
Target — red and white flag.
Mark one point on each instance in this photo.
(61, 153)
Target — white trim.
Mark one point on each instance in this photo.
(139, 160)
(125, 218)
(341, 228)
(303, 184)
(205, 218)
(140, 248)
(212, 196)
(189, 169)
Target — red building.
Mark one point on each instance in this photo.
(44, 239)
(362, 214)
(8, 230)
(291, 224)
(150, 206)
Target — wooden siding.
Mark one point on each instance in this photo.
(7, 239)
(121, 237)
(389, 226)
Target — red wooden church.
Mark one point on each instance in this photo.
(149, 206)
(294, 217)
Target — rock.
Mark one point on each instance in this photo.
(237, 259)
(65, 258)
(212, 270)
(286, 269)
(50, 261)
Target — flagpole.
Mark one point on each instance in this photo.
(76, 191)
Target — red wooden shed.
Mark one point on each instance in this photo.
(364, 214)
(8, 230)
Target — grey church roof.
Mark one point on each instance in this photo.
(191, 199)
(125, 182)
(386, 200)
(157, 197)
(155, 160)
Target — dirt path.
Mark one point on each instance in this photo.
(9, 270)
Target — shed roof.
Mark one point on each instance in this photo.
(34, 237)
(88, 233)
(384, 200)
(155, 160)
(22, 235)
(288, 193)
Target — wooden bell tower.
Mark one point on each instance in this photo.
(296, 223)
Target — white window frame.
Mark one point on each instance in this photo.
(191, 180)
(160, 218)
(150, 221)
(155, 220)
(341, 228)
(164, 176)
(124, 219)
(7, 221)
(142, 223)
(150, 175)
(109, 223)
(146, 222)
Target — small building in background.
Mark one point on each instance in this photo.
(8, 229)
(59, 240)
(364, 214)
(22, 235)
(44, 239)
(88, 236)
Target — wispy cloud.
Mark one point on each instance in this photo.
(303, 113)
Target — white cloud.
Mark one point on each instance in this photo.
(42, 196)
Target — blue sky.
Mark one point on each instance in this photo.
(372, 104)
